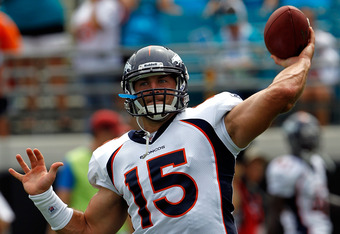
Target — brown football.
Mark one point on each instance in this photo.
(286, 32)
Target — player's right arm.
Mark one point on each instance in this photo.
(105, 213)
(254, 115)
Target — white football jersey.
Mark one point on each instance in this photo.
(184, 184)
(304, 185)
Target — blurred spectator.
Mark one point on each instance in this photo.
(7, 215)
(143, 25)
(10, 43)
(297, 182)
(235, 61)
(235, 34)
(324, 74)
(249, 193)
(96, 27)
(10, 37)
(71, 184)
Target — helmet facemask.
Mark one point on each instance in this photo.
(155, 61)
(138, 106)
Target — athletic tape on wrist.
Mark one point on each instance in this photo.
(55, 211)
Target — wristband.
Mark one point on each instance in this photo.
(54, 210)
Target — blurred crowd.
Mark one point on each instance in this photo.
(79, 47)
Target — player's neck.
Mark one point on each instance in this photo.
(153, 126)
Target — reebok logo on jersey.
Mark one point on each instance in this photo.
(152, 151)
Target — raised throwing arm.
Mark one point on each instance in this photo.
(253, 116)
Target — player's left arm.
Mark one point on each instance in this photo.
(254, 115)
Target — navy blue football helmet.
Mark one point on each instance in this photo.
(303, 132)
(152, 61)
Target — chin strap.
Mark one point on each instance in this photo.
(147, 136)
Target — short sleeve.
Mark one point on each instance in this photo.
(98, 178)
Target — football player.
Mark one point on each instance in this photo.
(175, 174)
(298, 181)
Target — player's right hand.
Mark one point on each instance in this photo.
(307, 53)
(37, 179)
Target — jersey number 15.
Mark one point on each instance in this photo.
(160, 182)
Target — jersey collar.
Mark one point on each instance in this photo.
(138, 135)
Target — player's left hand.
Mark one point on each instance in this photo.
(37, 179)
